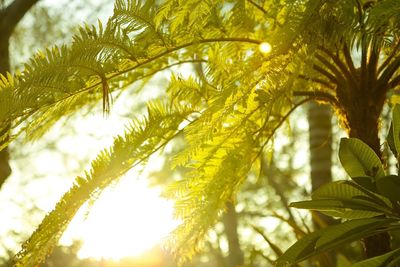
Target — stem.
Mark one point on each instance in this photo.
(318, 95)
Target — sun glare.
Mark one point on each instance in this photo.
(125, 221)
(265, 48)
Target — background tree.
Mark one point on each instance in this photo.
(10, 16)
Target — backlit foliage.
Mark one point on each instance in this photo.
(230, 107)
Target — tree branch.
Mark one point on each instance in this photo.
(394, 82)
(336, 72)
(318, 95)
(257, 6)
(349, 60)
(390, 57)
(342, 67)
(388, 73)
(325, 73)
(13, 14)
(316, 80)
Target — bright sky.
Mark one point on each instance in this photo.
(127, 220)
(124, 221)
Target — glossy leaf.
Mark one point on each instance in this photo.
(349, 209)
(384, 260)
(330, 238)
(395, 130)
(390, 140)
(358, 159)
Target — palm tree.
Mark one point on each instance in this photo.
(344, 53)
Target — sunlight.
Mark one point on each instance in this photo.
(265, 48)
(126, 220)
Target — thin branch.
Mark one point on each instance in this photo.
(394, 82)
(339, 63)
(316, 80)
(318, 95)
(13, 14)
(331, 67)
(145, 62)
(279, 124)
(390, 57)
(274, 247)
(349, 60)
(325, 73)
(258, 6)
(388, 73)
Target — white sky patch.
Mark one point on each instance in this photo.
(127, 220)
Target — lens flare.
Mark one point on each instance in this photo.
(265, 48)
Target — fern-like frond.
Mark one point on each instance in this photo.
(142, 138)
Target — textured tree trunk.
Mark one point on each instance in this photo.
(362, 112)
(320, 147)
(5, 169)
(235, 257)
(9, 18)
(320, 142)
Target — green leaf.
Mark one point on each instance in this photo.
(358, 159)
(390, 140)
(330, 238)
(379, 261)
(349, 231)
(337, 190)
(300, 250)
(366, 182)
(396, 130)
(389, 186)
(349, 209)
(351, 194)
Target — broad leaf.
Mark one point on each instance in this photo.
(349, 209)
(379, 261)
(358, 159)
(350, 194)
(395, 131)
(389, 186)
(349, 231)
(330, 238)
(300, 250)
(390, 140)
(366, 182)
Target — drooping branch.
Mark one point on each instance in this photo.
(326, 73)
(257, 6)
(350, 74)
(387, 74)
(390, 57)
(322, 82)
(394, 82)
(318, 95)
(29, 111)
(349, 60)
(337, 73)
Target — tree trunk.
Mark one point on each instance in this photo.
(361, 111)
(5, 169)
(320, 142)
(320, 146)
(9, 18)
(235, 257)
